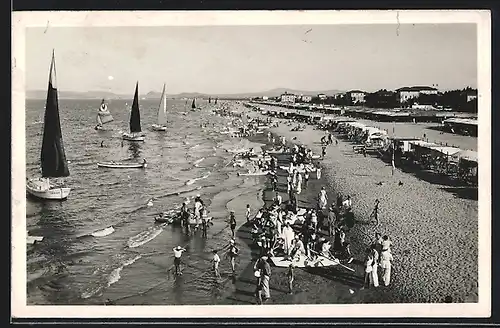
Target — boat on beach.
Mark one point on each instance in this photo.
(258, 173)
(53, 157)
(103, 116)
(135, 133)
(162, 113)
(123, 165)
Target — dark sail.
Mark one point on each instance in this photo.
(209, 100)
(216, 100)
(193, 105)
(135, 116)
(53, 157)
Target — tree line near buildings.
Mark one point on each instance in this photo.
(454, 99)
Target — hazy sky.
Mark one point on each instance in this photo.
(253, 58)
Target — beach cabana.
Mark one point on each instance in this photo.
(467, 162)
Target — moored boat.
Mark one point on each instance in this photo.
(123, 165)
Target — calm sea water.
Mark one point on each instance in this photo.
(131, 265)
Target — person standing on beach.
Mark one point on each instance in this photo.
(269, 136)
(374, 272)
(323, 152)
(318, 172)
(232, 223)
(274, 181)
(322, 199)
(278, 199)
(332, 218)
(306, 178)
(288, 237)
(247, 213)
(204, 223)
(368, 269)
(386, 265)
(290, 276)
(298, 186)
(386, 244)
(374, 214)
(265, 275)
(177, 259)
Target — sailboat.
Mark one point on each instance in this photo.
(193, 105)
(136, 133)
(103, 116)
(209, 100)
(53, 158)
(216, 100)
(162, 113)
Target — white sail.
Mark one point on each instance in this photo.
(162, 109)
(103, 115)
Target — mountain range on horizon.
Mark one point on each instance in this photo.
(42, 94)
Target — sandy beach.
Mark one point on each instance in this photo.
(434, 232)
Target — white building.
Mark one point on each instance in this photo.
(305, 98)
(288, 98)
(407, 93)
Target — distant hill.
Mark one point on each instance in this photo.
(42, 94)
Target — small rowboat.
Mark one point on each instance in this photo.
(254, 173)
(164, 219)
(121, 165)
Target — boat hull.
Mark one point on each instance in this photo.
(122, 165)
(35, 188)
(133, 137)
(157, 127)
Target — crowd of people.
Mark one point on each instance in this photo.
(298, 234)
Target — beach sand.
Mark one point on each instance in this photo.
(433, 228)
(434, 232)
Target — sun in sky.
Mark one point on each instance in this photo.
(111, 78)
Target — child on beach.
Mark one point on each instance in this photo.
(306, 178)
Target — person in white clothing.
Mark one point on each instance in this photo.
(386, 265)
(177, 259)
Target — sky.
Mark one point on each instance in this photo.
(238, 59)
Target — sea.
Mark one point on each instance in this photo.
(101, 245)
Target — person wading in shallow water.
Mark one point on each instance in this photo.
(290, 276)
(232, 253)
(232, 223)
(215, 262)
(177, 259)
